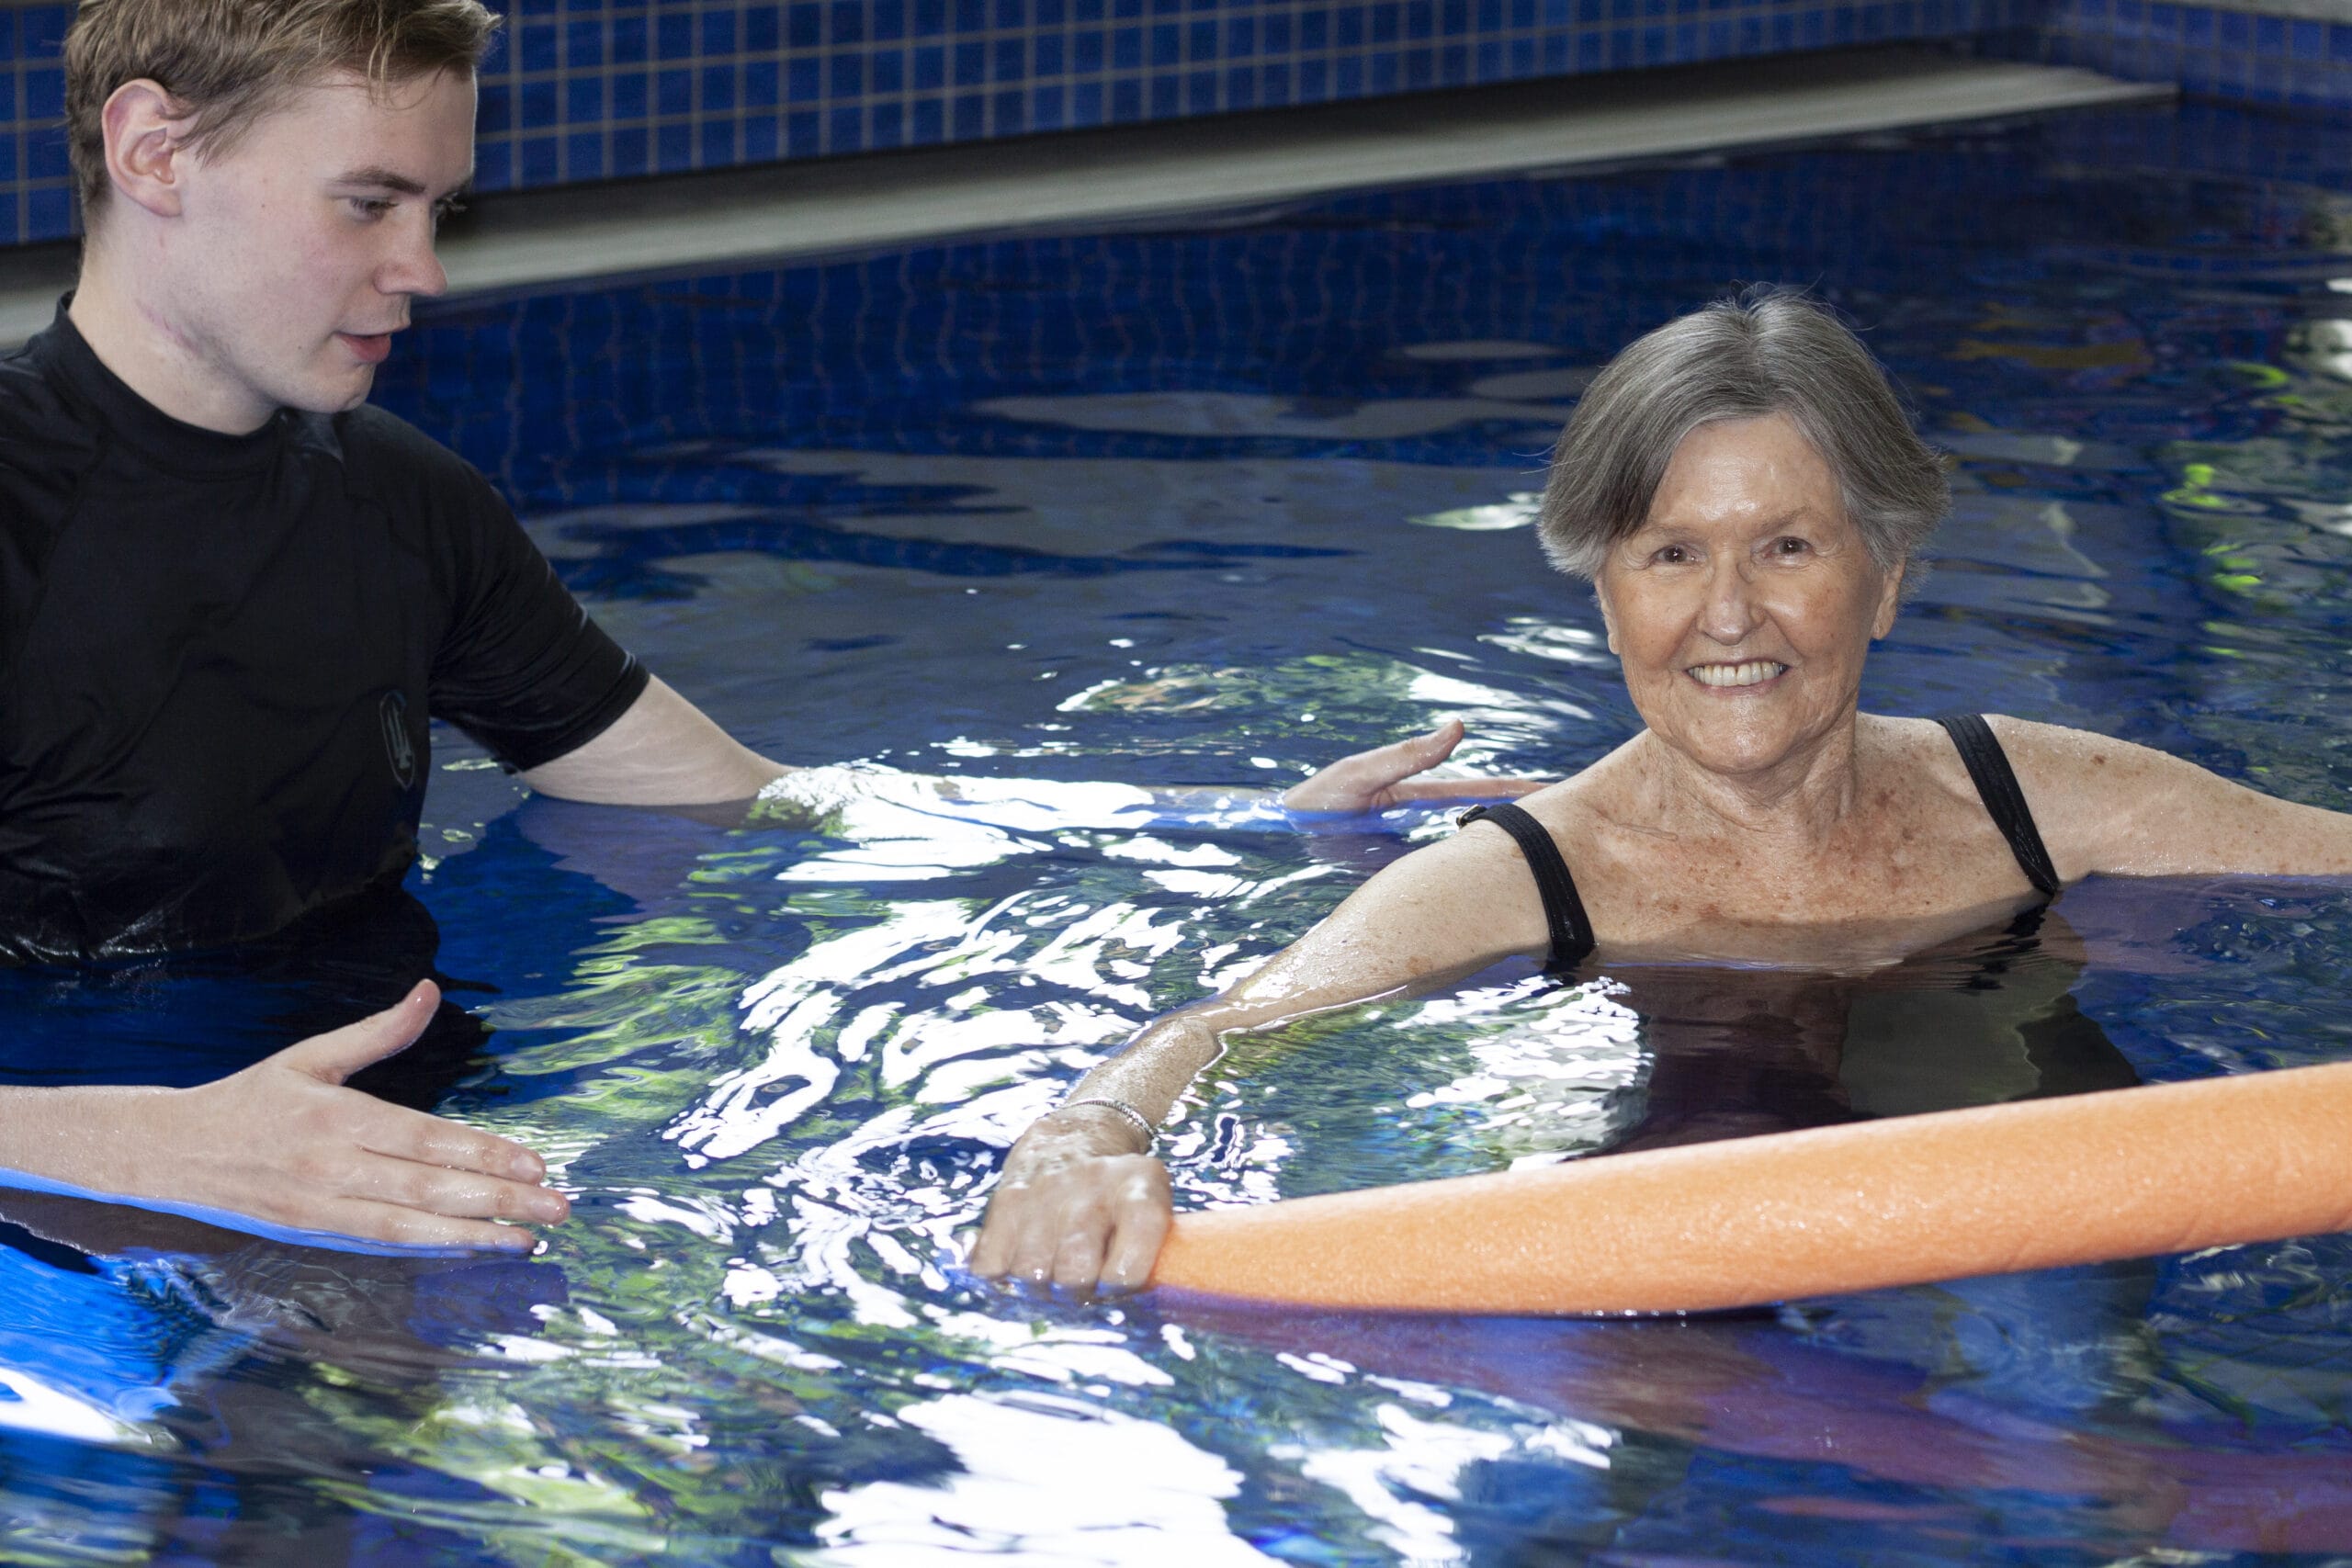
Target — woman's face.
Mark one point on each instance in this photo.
(1744, 604)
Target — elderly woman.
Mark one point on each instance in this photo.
(1746, 496)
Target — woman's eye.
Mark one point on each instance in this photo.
(1790, 547)
(1671, 555)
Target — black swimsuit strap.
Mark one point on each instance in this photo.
(1563, 911)
(1998, 784)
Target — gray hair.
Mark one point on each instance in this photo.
(1767, 352)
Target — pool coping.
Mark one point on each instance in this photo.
(570, 238)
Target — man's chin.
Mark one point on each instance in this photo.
(333, 392)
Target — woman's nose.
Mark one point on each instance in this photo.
(1731, 610)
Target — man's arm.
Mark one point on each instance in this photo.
(283, 1142)
(1383, 777)
(663, 752)
(666, 751)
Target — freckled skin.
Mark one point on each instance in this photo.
(1769, 821)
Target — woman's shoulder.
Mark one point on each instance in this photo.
(2034, 750)
(1598, 788)
(2093, 796)
(2061, 755)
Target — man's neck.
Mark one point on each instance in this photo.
(136, 337)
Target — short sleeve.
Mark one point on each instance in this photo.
(522, 668)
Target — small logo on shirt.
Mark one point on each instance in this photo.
(398, 748)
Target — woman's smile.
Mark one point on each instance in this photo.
(1745, 677)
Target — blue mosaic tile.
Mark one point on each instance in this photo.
(44, 30)
(593, 89)
(2207, 49)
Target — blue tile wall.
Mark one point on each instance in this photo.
(2220, 53)
(876, 352)
(586, 90)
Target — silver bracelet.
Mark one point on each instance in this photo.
(1143, 1122)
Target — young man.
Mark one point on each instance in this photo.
(231, 593)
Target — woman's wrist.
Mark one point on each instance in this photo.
(1107, 1130)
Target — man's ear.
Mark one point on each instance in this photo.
(146, 159)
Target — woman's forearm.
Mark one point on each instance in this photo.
(1148, 1075)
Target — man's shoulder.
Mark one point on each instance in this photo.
(427, 495)
(30, 408)
(383, 451)
(45, 444)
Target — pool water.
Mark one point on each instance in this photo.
(1207, 506)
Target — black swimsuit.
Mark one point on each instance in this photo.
(1988, 765)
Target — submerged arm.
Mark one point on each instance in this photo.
(663, 752)
(1082, 1203)
(2111, 807)
(666, 751)
(283, 1143)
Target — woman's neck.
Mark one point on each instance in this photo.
(1800, 801)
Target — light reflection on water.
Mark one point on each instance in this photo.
(776, 1064)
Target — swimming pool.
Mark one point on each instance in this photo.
(1208, 506)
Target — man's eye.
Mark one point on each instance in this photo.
(369, 207)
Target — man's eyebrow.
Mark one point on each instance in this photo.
(382, 178)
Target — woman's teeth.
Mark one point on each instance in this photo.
(1755, 672)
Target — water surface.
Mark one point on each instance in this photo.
(1206, 507)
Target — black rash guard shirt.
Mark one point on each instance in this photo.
(218, 654)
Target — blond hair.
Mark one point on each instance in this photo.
(228, 64)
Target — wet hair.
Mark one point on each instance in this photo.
(229, 63)
(1767, 352)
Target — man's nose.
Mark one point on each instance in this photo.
(415, 269)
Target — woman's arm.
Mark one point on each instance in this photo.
(2110, 808)
(1082, 1205)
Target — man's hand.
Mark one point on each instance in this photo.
(284, 1142)
(1077, 1208)
(1376, 780)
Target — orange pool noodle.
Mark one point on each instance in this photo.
(2086, 1178)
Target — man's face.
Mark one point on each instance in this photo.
(300, 246)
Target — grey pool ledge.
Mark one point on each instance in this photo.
(581, 235)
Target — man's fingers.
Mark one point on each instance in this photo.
(1367, 781)
(459, 1194)
(334, 1057)
(392, 1223)
(1429, 750)
(407, 1134)
(1401, 758)
(1467, 789)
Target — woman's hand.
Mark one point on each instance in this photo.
(285, 1143)
(1079, 1207)
(1376, 780)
